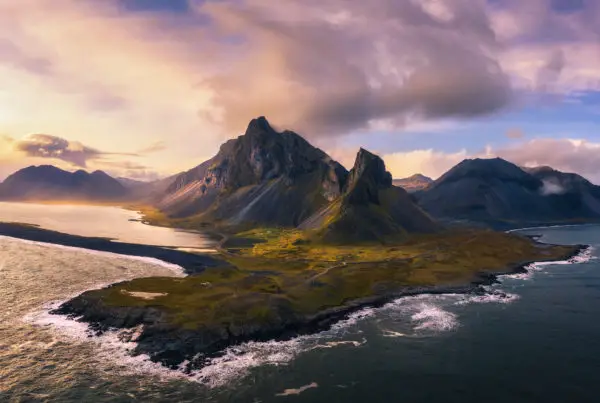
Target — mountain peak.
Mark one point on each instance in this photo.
(420, 177)
(480, 168)
(100, 173)
(262, 176)
(367, 163)
(259, 125)
(413, 183)
(366, 178)
(370, 208)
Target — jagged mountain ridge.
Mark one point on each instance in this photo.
(262, 178)
(370, 208)
(47, 183)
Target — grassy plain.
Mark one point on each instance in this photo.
(270, 274)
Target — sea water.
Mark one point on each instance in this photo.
(532, 338)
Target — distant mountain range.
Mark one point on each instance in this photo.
(46, 183)
(266, 178)
(413, 183)
(499, 193)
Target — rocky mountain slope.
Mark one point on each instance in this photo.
(413, 183)
(499, 193)
(48, 183)
(260, 178)
(370, 208)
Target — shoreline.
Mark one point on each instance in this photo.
(175, 347)
(191, 263)
(99, 322)
(553, 226)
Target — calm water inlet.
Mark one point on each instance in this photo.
(100, 221)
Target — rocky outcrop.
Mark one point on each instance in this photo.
(370, 208)
(263, 177)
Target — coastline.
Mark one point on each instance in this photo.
(191, 263)
(100, 319)
(175, 347)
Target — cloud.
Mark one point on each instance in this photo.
(5, 142)
(548, 74)
(47, 146)
(551, 188)
(54, 147)
(427, 162)
(329, 68)
(324, 68)
(570, 155)
(154, 147)
(567, 155)
(146, 175)
(548, 46)
(53, 67)
(515, 133)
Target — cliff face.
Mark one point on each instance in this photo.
(370, 208)
(263, 177)
(48, 183)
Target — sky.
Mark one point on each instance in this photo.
(149, 88)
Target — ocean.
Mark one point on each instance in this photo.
(532, 338)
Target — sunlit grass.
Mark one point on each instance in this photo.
(274, 270)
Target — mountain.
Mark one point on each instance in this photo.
(413, 183)
(569, 191)
(260, 178)
(131, 183)
(497, 192)
(370, 208)
(47, 182)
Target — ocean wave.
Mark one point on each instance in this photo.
(489, 296)
(289, 392)
(551, 227)
(433, 318)
(392, 333)
(176, 269)
(583, 256)
(424, 314)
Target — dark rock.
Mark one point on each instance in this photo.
(370, 208)
(503, 195)
(263, 177)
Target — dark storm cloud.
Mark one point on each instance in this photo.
(328, 68)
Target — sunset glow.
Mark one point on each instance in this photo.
(422, 83)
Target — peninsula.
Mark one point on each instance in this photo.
(303, 244)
